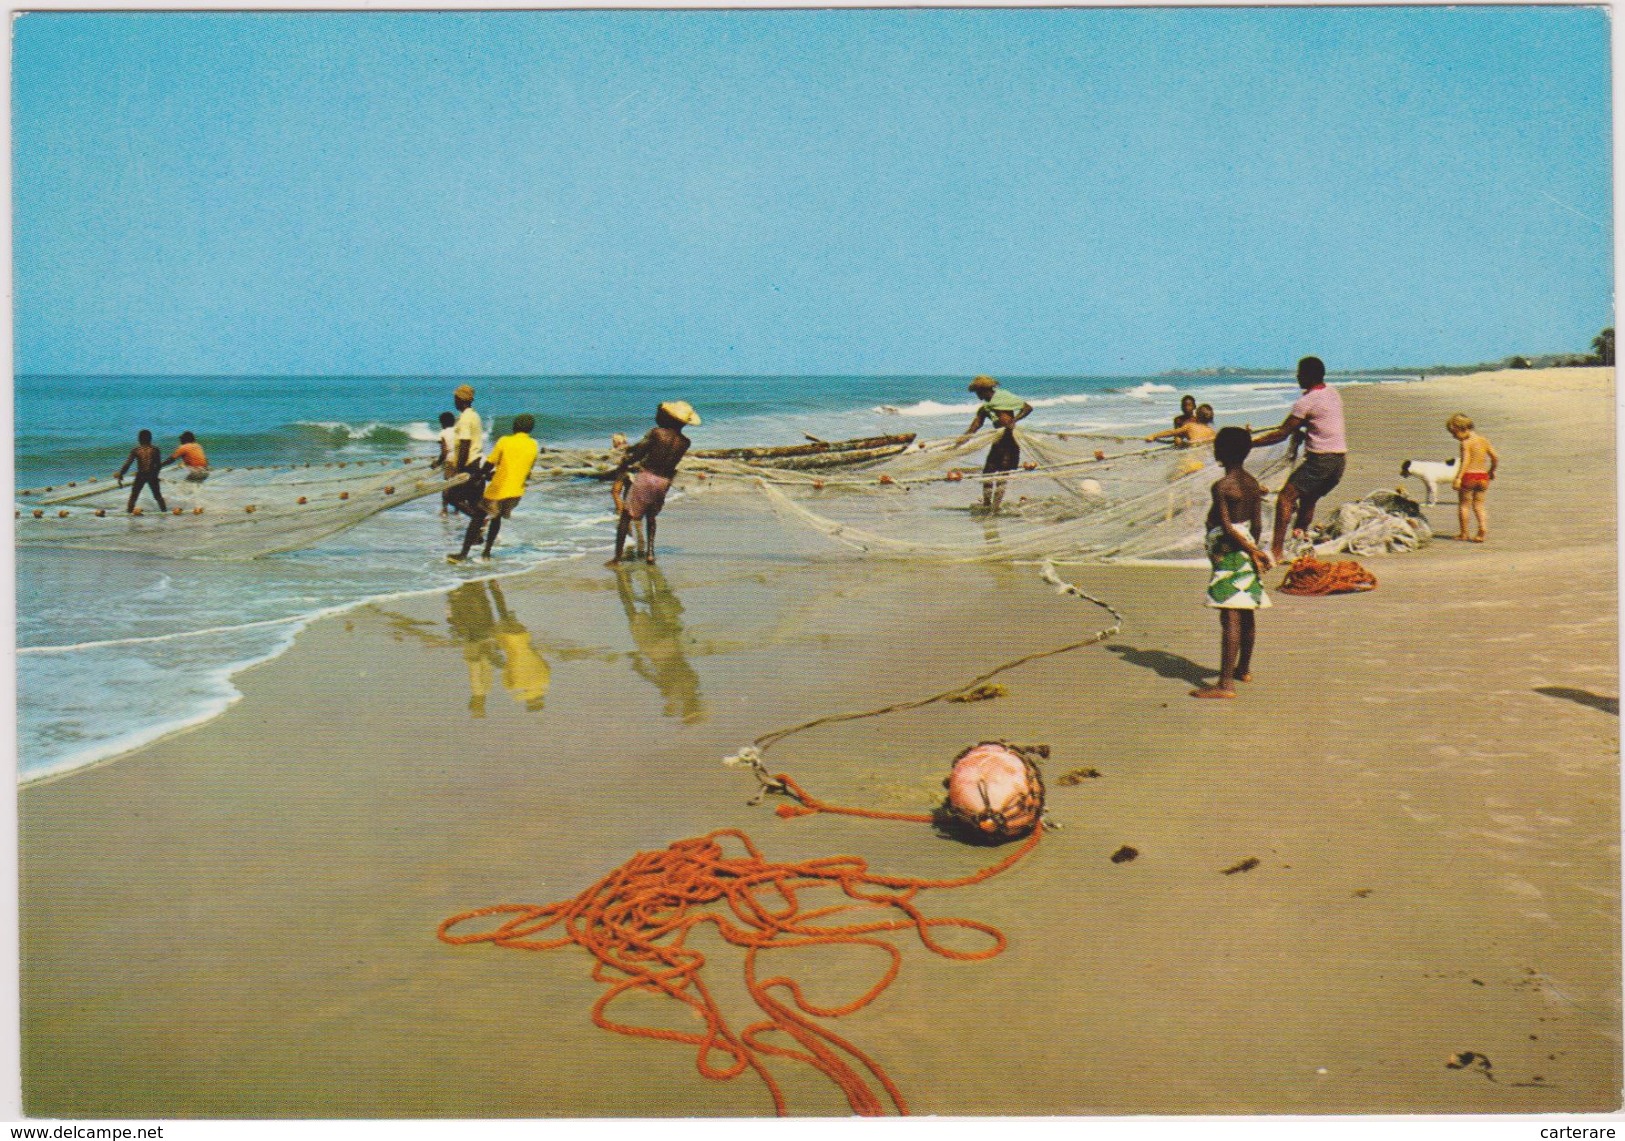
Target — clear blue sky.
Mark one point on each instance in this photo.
(1020, 192)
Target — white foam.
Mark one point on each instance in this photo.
(1149, 389)
(1058, 401)
(927, 408)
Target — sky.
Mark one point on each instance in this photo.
(1018, 192)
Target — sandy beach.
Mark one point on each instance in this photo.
(239, 921)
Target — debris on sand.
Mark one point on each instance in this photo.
(1124, 854)
(1470, 1060)
(1246, 865)
(981, 693)
(1078, 776)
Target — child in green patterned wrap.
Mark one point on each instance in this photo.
(1236, 589)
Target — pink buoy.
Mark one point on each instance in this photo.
(995, 790)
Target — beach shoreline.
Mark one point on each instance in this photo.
(1427, 776)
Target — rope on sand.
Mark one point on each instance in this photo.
(637, 922)
(1308, 575)
(766, 741)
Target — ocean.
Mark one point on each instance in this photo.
(117, 650)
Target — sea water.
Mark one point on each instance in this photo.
(116, 650)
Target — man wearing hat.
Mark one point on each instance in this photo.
(1003, 409)
(468, 431)
(658, 453)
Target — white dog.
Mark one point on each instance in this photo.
(1430, 473)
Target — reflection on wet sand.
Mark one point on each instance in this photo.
(657, 631)
(492, 640)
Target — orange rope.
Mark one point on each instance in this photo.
(636, 922)
(1308, 575)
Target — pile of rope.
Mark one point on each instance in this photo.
(637, 920)
(1308, 575)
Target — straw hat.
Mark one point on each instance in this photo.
(982, 382)
(464, 392)
(681, 410)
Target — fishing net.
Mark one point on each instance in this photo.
(236, 514)
(1078, 497)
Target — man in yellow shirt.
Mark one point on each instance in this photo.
(509, 465)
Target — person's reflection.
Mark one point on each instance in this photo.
(492, 640)
(657, 631)
(525, 673)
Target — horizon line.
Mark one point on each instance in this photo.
(1203, 371)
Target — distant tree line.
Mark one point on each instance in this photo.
(1602, 353)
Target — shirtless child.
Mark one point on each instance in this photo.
(1236, 589)
(659, 453)
(1473, 475)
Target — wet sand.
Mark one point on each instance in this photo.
(239, 921)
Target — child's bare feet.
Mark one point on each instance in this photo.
(1244, 677)
(1480, 539)
(1213, 691)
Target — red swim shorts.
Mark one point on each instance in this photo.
(1475, 480)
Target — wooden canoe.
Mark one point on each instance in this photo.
(821, 453)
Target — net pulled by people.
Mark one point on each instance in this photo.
(1076, 497)
(235, 514)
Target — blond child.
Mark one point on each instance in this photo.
(1473, 474)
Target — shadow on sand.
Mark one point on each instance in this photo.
(1164, 664)
(1581, 697)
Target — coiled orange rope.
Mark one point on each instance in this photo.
(636, 922)
(1308, 575)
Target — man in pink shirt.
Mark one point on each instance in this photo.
(1319, 413)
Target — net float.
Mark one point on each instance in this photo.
(887, 479)
(177, 511)
(63, 514)
(818, 485)
(954, 476)
(302, 501)
(249, 510)
(389, 489)
(101, 512)
(1029, 466)
(137, 511)
(1099, 455)
(995, 790)
(344, 494)
(197, 511)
